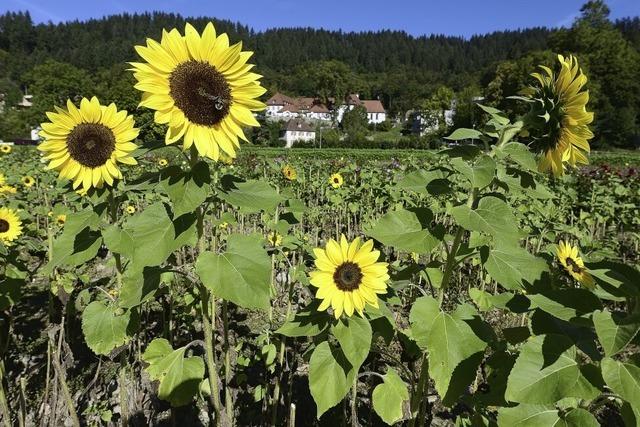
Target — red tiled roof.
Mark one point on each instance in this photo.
(373, 106)
(280, 99)
(299, 125)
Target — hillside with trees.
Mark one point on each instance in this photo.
(54, 62)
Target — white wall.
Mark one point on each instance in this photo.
(292, 136)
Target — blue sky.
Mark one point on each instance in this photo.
(451, 17)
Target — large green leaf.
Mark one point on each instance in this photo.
(492, 216)
(417, 181)
(511, 266)
(623, 379)
(525, 415)
(519, 153)
(139, 286)
(480, 173)
(574, 305)
(546, 371)
(618, 278)
(330, 376)
(403, 230)
(354, 335)
(307, 322)
(455, 351)
(179, 376)
(464, 133)
(78, 243)
(187, 190)
(390, 397)
(149, 238)
(615, 331)
(11, 285)
(241, 275)
(104, 327)
(251, 196)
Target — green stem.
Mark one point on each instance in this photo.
(227, 364)
(354, 402)
(6, 413)
(276, 389)
(416, 403)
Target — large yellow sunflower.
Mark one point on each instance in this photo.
(560, 116)
(336, 180)
(85, 144)
(201, 87)
(571, 261)
(10, 226)
(348, 276)
(290, 173)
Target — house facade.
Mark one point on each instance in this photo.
(283, 107)
(298, 130)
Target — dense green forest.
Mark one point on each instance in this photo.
(57, 61)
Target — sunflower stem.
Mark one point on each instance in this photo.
(227, 364)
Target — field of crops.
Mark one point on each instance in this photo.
(58, 356)
(197, 281)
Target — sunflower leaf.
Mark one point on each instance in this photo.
(390, 398)
(104, 328)
(330, 376)
(403, 230)
(354, 335)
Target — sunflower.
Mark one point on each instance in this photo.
(5, 148)
(348, 276)
(28, 181)
(7, 189)
(201, 87)
(223, 225)
(571, 261)
(274, 238)
(290, 173)
(559, 116)
(336, 180)
(61, 219)
(84, 144)
(131, 209)
(162, 162)
(10, 226)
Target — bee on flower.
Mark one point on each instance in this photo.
(336, 180)
(573, 264)
(289, 173)
(348, 276)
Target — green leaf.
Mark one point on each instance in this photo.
(179, 377)
(354, 335)
(623, 379)
(528, 416)
(617, 277)
(403, 230)
(11, 285)
(330, 377)
(480, 173)
(187, 190)
(241, 275)
(492, 216)
(511, 266)
(572, 305)
(306, 323)
(251, 196)
(519, 153)
(546, 371)
(138, 287)
(78, 243)
(391, 397)
(149, 238)
(454, 349)
(615, 331)
(104, 328)
(464, 133)
(417, 181)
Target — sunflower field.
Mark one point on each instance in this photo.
(195, 281)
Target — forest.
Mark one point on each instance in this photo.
(405, 72)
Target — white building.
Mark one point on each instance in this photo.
(298, 130)
(282, 107)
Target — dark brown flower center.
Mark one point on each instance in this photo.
(91, 144)
(4, 226)
(348, 276)
(201, 92)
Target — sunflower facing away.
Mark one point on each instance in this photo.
(10, 226)
(201, 87)
(85, 144)
(5, 148)
(28, 181)
(290, 173)
(560, 117)
(348, 276)
(571, 261)
(336, 180)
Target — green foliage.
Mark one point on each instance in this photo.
(403, 229)
(105, 327)
(330, 376)
(390, 397)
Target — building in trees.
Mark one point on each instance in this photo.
(298, 130)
